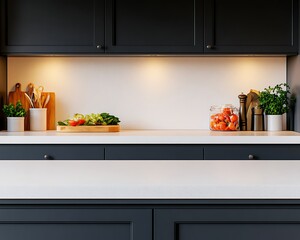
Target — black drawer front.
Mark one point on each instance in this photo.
(252, 152)
(154, 152)
(228, 224)
(51, 152)
(75, 224)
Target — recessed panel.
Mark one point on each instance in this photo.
(65, 231)
(238, 231)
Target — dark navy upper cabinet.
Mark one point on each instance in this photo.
(149, 27)
(154, 26)
(52, 26)
(251, 26)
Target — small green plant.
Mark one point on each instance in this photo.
(275, 100)
(12, 111)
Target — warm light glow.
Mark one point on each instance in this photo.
(248, 70)
(152, 92)
(153, 73)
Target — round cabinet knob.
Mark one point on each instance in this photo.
(209, 46)
(251, 157)
(47, 157)
(100, 47)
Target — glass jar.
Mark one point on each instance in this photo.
(224, 118)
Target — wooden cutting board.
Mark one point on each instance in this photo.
(107, 128)
(17, 94)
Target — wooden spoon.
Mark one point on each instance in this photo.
(29, 91)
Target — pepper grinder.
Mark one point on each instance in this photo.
(258, 119)
(243, 112)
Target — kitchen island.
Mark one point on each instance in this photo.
(161, 185)
(161, 200)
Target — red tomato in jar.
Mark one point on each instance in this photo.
(222, 126)
(227, 111)
(233, 118)
(227, 118)
(222, 117)
(231, 126)
(216, 126)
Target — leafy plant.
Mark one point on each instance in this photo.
(14, 111)
(275, 100)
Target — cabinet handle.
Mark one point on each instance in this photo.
(251, 157)
(209, 47)
(100, 47)
(47, 157)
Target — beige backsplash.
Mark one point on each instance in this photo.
(147, 92)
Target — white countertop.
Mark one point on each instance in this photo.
(150, 179)
(152, 137)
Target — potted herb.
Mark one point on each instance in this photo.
(275, 102)
(15, 117)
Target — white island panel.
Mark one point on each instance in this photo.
(149, 179)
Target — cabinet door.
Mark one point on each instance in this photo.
(75, 224)
(51, 152)
(251, 26)
(154, 26)
(227, 224)
(52, 26)
(252, 152)
(154, 152)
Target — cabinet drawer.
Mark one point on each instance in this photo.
(227, 224)
(76, 224)
(249, 152)
(51, 152)
(154, 152)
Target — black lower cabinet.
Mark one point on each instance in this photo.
(227, 224)
(252, 152)
(51, 152)
(154, 152)
(149, 152)
(149, 219)
(75, 224)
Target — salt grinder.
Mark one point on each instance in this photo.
(258, 119)
(243, 112)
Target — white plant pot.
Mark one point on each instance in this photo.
(15, 124)
(38, 119)
(274, 123)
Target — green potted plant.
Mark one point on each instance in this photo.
(15, 117)
(275, 102)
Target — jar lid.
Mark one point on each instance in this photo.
(219, 107)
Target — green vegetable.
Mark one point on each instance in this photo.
(14, 111)
(64, 123)
(93, 119)
(274, 100)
